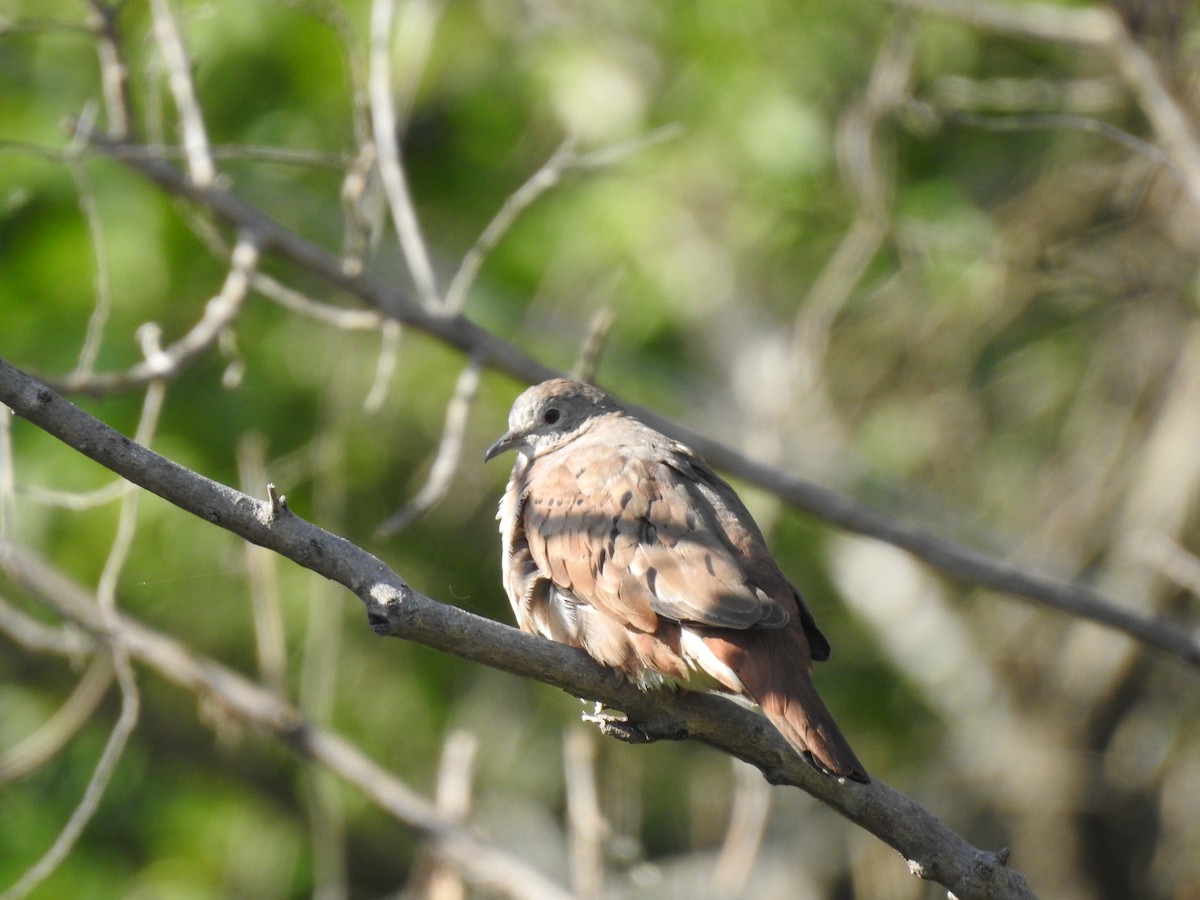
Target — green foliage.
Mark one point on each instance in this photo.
(996, 371)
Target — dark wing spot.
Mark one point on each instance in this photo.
(651, 578)
(708, 564)
(625, 498)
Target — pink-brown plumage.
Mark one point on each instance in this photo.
(623, 542)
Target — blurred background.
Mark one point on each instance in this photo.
(942, 269)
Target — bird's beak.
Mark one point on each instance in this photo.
(507, 442)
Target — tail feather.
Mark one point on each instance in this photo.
(806, 723)
(771, 666)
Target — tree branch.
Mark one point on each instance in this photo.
(483, 863)
(933, 850)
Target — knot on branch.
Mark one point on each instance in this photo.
(385, 603)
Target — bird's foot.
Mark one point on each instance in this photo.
(616, 724)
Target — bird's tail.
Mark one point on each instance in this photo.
(806, 723)
(771, 666)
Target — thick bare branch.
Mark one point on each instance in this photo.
(932, 849)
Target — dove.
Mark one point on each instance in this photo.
(623, 542)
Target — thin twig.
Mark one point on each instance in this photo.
(564, 159)
(390, 334)
(179, 79)
(387, 143)
(102, 284)
(537, 184)
(75, 501)
(1172, 122)
(1172, 560)
(593, 345)
(38, 637)
(219, 313)
(319, 669)
(283, 156)
(114, 73)
(744, 837)
(327, 314)
(449, 452)
(1088, 27)
(868, 180)
(588, 829)
(265, 603)
(8, 493)
(76, 712)
(454, 791)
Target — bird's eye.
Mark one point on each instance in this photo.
(551, 416)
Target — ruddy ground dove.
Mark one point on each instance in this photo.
(623, 542)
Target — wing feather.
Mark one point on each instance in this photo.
(624, 530)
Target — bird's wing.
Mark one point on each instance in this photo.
(738, 526)
(621, 529)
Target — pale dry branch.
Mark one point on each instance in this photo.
(449, 452)
(282, 156)
(1066, 122)
(319, 667)
(1087, 27)
(961, 562)
(564, 158)
(269, 637)
(587, 829)
(547, 175)
(101, 280)
(593, 345)
(75, 501)
(249, 702)
(1100, 29)
(1172, 122)
(1076, 96)
(386, 122)
(114, 72)
(385, 366)
(1171, 560)
(439, 880)
(744, 837)
(394, 608)
(70, 718)
(38, 637)
(867, 176)
(164, 363)
(334, 316)
(178, 65)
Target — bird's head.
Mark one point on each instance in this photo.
(548, 415)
